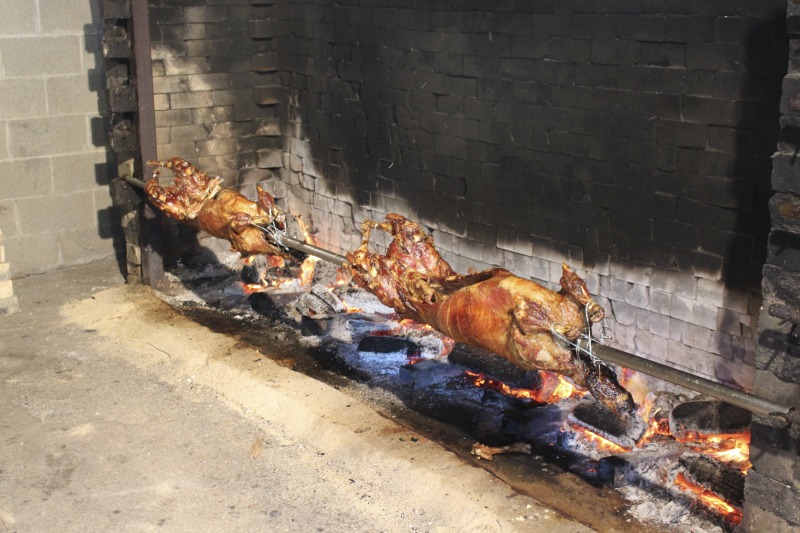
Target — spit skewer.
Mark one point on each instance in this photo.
(602, 352)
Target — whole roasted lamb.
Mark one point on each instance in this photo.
(513, 317)
(200, 201)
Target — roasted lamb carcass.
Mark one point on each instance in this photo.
(513, 317)
(200, 201)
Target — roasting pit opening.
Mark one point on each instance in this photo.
(638, 149)
(350, 340)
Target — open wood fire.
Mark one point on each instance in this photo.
(676, 455)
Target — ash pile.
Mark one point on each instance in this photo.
(683, 466)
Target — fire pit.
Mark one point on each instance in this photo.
(685, 471)
(677, 458)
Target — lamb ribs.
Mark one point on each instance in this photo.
(513, 317)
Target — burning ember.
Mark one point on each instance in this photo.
(729, 450)
(732, 449)
(709, 499)
(602, 444)
(553, 389)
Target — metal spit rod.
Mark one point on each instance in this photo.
(752, 403)
(604, 352)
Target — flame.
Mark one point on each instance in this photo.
(342, 277)
(275, 261)
(709, 499)
(307, 270)
(251, 288)
(563, 388)
(655, 427)
(601, 443)
(308, 265)
(730, 448)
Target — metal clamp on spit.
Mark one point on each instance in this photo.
(585, 336)
(275, 233)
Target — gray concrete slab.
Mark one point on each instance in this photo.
(120, 415)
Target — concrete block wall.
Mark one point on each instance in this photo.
(629, 139)
(55, 206)
(9, 303)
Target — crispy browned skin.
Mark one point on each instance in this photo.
(200, 201)
(510, 316)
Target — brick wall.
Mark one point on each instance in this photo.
(55, 207)
(205, 69)
(772, 491)
(631, 139)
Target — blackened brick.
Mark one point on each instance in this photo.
(122, 100)
(574, 6)
(683, 134)
(652, 79)
(266, 62)
(182, 32)
(790, 99)
(450, 146)
(614, 51)
(595, 75)
(716, 57)
(190, 100)
(593, 26)
(663, 54)
(267, 96)
(628, 7)
(784, 250)
(640, 27)
(205, 13)
(211, 115)
(572, 49)
(480, 66)
(174, 117)
(530, 47)
(673, 233)
(213, 47)
(230, 64)
(690, 29)
(712, 110)
(449, 105)
(704, 215)
(531, 92)
(608, 100)
(461, 86)
(162, 14)
(116, 9)
(495, 89)
(673, 7)
(188, 133)
(186, 65)
(550, 25)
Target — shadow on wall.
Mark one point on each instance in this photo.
(765, 61)
(108, 218)
(487, 132)
(628, 142)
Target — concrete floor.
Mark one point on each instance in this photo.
(120, 415)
